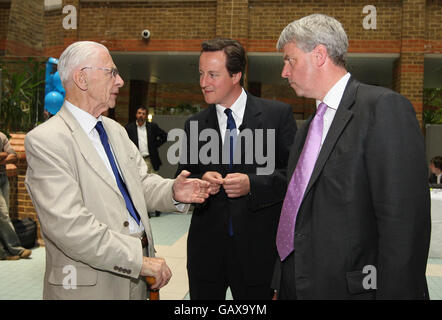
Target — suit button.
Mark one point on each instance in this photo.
(126, 223)
(129, 271)
(116, 268)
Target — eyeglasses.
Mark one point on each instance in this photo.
(114, 71)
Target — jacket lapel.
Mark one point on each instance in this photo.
(149, 134)
(342, 117)
(298, 145)
(251, 120)
(211, 122)
(87, 149)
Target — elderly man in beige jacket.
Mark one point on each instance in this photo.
(90, 187)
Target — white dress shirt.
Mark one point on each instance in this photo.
(332, 99)
(87, 123)
(238, 108)
(142, 139)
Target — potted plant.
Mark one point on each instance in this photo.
(21, 104)
(432, 118)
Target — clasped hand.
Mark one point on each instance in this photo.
(235, 184)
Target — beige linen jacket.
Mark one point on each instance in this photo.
(82, 213)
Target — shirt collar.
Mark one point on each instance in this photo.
(85, 119)
(142, 126)
(238, 107)
(333, 97)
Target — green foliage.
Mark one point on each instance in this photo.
(183, 109)
(432, 106)
(22, 95)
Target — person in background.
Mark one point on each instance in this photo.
(436, 170)
(148, 137)
(355, 223)
(10, 246)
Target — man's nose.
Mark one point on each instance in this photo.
(203, 82)
(119, 82)
(285, 71)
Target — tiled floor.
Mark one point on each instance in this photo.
(23, 279)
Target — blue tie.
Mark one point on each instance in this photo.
(123, 189)
(231, 125)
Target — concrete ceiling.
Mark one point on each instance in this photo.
(177, 67)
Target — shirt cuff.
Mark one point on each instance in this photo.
(181, 207)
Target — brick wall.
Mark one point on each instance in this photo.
(409, 71)
(25, 28)
(433, 28)
(4, 21)
(268, 18)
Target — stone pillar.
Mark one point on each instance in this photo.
(409, 69)
(20, 202)
(232, 21)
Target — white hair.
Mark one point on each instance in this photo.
(315, 29)
(74, 55)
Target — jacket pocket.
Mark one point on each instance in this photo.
(359, 282)
(72, 276)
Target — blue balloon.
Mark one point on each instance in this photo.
(56, 82)
(53, 101)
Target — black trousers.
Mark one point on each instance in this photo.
(232, 277)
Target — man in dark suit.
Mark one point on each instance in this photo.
(355, 222)
(231, 241)
(148, 137)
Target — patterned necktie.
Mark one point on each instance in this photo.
(298, 184)
(231, 126)
(123, 189)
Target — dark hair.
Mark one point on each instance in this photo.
(437, 162)
(142, 108)
(235, 53)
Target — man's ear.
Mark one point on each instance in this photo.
(80, 79)
(236, 77)
(320, 54)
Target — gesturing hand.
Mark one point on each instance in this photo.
(187, 190)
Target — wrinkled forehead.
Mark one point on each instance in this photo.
(102, 58)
